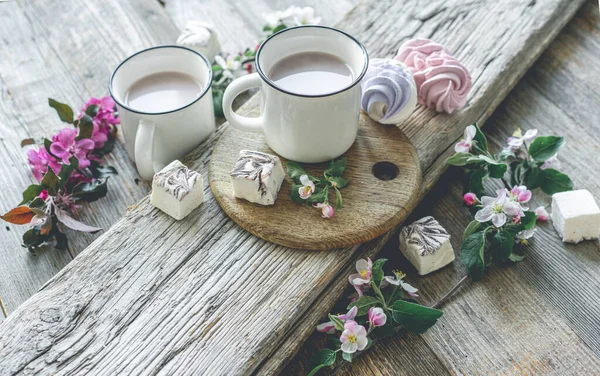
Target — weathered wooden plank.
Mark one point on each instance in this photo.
(151, 295)
(65, 52)
(561, 279)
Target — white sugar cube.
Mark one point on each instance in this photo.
(426, 244)
(257, 177)
(177, 190)
(575, 215)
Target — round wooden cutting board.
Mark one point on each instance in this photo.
(374, 202)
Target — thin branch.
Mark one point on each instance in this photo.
(506, 184)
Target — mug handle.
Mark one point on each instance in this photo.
(238, 86)
(144, 144)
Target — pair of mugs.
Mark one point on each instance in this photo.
(304, 128)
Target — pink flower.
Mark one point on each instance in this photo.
(465, 144)
(520, 194)
(376, 316)
(329, 328)
(106, 110)
(354, 337)
(326, 210)
(43, 195)
(496, 209)
(363, 277)
(99, 136)
(40, 159)
(64, 146)
(307, 189)
(551, 162)
(542, 214)
(470, 199)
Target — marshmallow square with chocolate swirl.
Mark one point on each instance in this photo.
(426, 244)
(177, 190)
(257, 177)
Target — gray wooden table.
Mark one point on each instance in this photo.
(510, 312)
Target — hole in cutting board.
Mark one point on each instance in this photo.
(385, 171)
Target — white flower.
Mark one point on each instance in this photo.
(397, 280)
(353, 338)
(465, 144)
(304, 16)
(496, 209)
(307, 189)
(232, 67)
(524, 235)
(517, 139)
(273, 19)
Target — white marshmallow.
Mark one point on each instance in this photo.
(426, 244)
(200, 37)
(575, 216)
(177, 190)
(257, 177)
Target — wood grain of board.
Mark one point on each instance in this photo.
(372, 206)
(151, 295)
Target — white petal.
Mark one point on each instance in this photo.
(361, 343)
(392, 280)
(222, 63)
(499, 219)
(304, 180)
(488, 201)
(349, 348)
(511, 208)
(530, 134)
(484, 214)
(360, 331)
(409, 288)
(361, 265)
(470, 132)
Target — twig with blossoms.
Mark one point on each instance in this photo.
(308, 189)
(69, 170)
(227, 68)
(384, 305)
(503, 223)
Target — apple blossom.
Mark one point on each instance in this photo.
(541, 214)
(470, 199)
(326, 210)
(353, 338)
(518, 139)
(496, 209)
(307, 189)
(377, 317)
(465, 144)
(329, 328)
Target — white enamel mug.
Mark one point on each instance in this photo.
(155, 139)
(303, 128)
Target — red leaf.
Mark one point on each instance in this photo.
(19, 216)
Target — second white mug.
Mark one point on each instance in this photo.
(308, 128)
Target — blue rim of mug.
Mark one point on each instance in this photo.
(274, 86)
(206, 89)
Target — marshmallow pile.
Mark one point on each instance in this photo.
(443, 83)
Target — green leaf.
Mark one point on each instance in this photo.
(338, 199)
(278, 28)
(267, 28)
(459, 159)
(218, 102)
(216, 68)
(50, 182)
(108, 147)
(377, 271)
(37, 203)
(319, 195)
(471, 228)
(294, 171)
(101, 172)
(337, 322)
(515, 174)
(364, 303)
(66, 170)
(92, 110)
(414, 317)
(502, 244)
(336, 168)
(33, 238)
(91, 191)
(47, 144)
(472, 254)
(532, 177)
(554, 181)
(65, 113)
(497, 170)
(31, 193)
(480, 138)
(475, 181)
(323, 358)
(529, 220)
(339, 181)
(347, 357)
(542, 148)
(86, 127)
